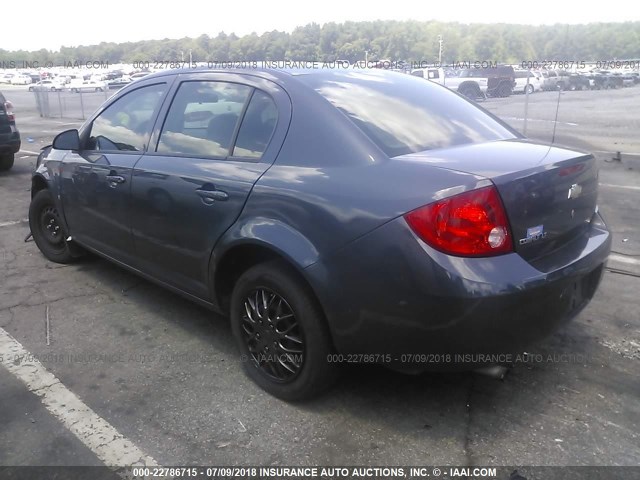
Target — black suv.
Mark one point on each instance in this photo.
(501, 80)
(9, 135)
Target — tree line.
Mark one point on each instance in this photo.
(410, 41)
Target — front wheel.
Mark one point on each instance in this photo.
(281, 332)
(529, 89)
(47, 228)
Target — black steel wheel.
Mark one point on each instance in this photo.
(281, 332)
(48, 229)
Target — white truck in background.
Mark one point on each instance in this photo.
(469, 83)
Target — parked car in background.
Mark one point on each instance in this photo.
(628, 80)
(533, 85)
(9, 134)
(119, 82)
(501, 80)
(6, 77)
(605, 80)
(207, 183)
(577, 81)
(555, 79)
(139, 75)
(52, 85)
(21, 79)
(87, 86)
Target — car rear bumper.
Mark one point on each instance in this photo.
(390, 295)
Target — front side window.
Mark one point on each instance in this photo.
(203, 118)
(126, 123)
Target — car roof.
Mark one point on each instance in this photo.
(284, 75)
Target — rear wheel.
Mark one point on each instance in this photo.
(528, 89)
(281, 333)
(6, 162)
(47, 228)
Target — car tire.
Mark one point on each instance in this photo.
(48, 229)
(275, 317)
(6, 162)
(528, 89)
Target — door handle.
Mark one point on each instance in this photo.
(211, 196)
(113, 179)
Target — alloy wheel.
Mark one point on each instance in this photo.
(272, 335)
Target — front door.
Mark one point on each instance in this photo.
(96, 181)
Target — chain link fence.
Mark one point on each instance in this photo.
(67, 104)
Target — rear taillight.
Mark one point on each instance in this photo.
(8, 107)
(471, 224)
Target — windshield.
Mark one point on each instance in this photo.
(404, 114)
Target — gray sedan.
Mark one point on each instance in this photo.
(336, 216)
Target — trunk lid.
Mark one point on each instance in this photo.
(549, 192)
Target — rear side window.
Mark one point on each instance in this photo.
(258, 125)
(126, 123)
(402, 114)
(203, 118)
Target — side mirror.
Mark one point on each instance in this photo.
(67, 140)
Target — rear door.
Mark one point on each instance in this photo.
(96, 181)
(221, 132)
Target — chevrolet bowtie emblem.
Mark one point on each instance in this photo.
(574, 191)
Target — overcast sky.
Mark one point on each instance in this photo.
(35, 24)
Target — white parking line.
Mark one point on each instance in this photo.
(29, 152)
(627, 187)
(14, 222)
(623, 259)
(109, 445)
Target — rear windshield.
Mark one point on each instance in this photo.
(404, 114)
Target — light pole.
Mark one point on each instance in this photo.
(440, 50)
